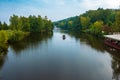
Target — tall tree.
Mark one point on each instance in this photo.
(0, 25)
(97, 27)
(70, 24)
(117, 26)
(40, 24)
(85, 22)
(14, 20)
(5, 26)
(24, 24)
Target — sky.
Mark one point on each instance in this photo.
(53, 9)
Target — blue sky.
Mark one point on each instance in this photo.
(54, 9)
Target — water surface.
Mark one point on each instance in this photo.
(50, 57)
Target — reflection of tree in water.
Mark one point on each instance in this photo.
(2, 58)
(99, 45)
(116, 67)
(32, 40)
(92, 41)
(115, 54)
(3, 53)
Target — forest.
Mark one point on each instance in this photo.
(97, 22)
(20, 27)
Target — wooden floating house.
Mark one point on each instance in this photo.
(113, 40)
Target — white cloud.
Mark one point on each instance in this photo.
(111, 3)
(54, 9)
(93, 4)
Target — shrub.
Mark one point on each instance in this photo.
(15, 36)
(3, 36)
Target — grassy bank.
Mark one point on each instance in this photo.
(8, 36)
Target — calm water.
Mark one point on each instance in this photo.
(49, 57)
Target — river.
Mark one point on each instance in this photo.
(50, 57)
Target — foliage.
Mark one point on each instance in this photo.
(15, 36)
(106, 29)
(96, 28)
(93, 21)
(14, 22)
(0, 25)
(117, 23)
(20, 27)
(31, 24)
(85, 22)
(24, 24)
(3, 26)
(3, 36)
(8, 36)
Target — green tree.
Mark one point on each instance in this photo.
(5, 26)
(40, 23)
(37, 24)
(117, 22)
(32, 20)
(77, 24)
(70, 24)
(24, 24)
(62, 25)
(3, 36)
(0, 25)
(96, 28)
(85, 22)
(14, 21)
(50, 27)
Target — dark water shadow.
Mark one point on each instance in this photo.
(115, 54)
(31, 40)
(90, 40)
(3, 56)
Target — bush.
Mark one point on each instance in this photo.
(15, 36)
(8, 36)
(3, 36)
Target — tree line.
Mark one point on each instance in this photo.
(28, 24)
(3, 26)
(97, 22)
(20, 27)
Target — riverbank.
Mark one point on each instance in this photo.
(9, 37)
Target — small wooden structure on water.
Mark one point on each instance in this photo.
(113, 40)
